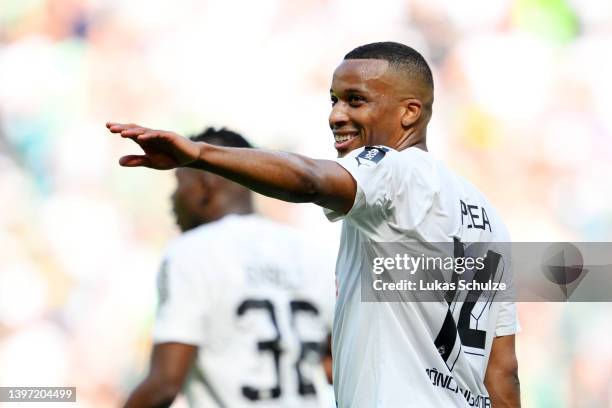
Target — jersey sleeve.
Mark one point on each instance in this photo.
(182, 308)
(507, 320)
(396, 187)
(372, 175)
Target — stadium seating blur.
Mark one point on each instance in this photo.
(523, 109)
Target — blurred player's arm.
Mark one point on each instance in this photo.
(327, 361)
(285, 176)
(501, 378)
(170, 365)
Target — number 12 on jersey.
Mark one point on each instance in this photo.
(450, 331)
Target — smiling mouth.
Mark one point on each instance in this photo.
(342, 140)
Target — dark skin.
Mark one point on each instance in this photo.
(170, 365)
(373, 101)
(201, 197)
(188, 199)
(501, 378)
(373, 104)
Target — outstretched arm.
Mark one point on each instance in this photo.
(501, 378)
(286, 176)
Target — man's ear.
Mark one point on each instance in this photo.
(412, 111)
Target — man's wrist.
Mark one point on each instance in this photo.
(200, 161)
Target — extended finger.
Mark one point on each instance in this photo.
(134, 160)
(119, 127)
(132, 132)
(150, 134)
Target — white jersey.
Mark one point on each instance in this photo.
(412, 354)
(258, 302)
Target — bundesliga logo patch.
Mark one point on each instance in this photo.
(371, 155)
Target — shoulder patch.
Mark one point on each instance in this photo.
(371, 155)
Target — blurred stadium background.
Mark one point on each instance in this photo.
(523, 109)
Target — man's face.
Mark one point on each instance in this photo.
(366, 109)
(188, 198)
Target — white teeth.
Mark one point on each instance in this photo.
(343, 138)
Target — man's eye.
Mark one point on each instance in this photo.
(355, 99)
(334, 100)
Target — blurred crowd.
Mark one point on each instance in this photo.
(523, 109)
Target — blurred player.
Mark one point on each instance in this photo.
(387, 188)
(245, 304)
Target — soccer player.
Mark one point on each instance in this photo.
(387, 188)
(245, 304)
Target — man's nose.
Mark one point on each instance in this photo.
(338, 116)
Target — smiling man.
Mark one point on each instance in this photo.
(380, 97)
(385, 187)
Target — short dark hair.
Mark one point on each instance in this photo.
(399, 55)
(221, 137)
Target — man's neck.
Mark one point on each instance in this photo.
(413, 139)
